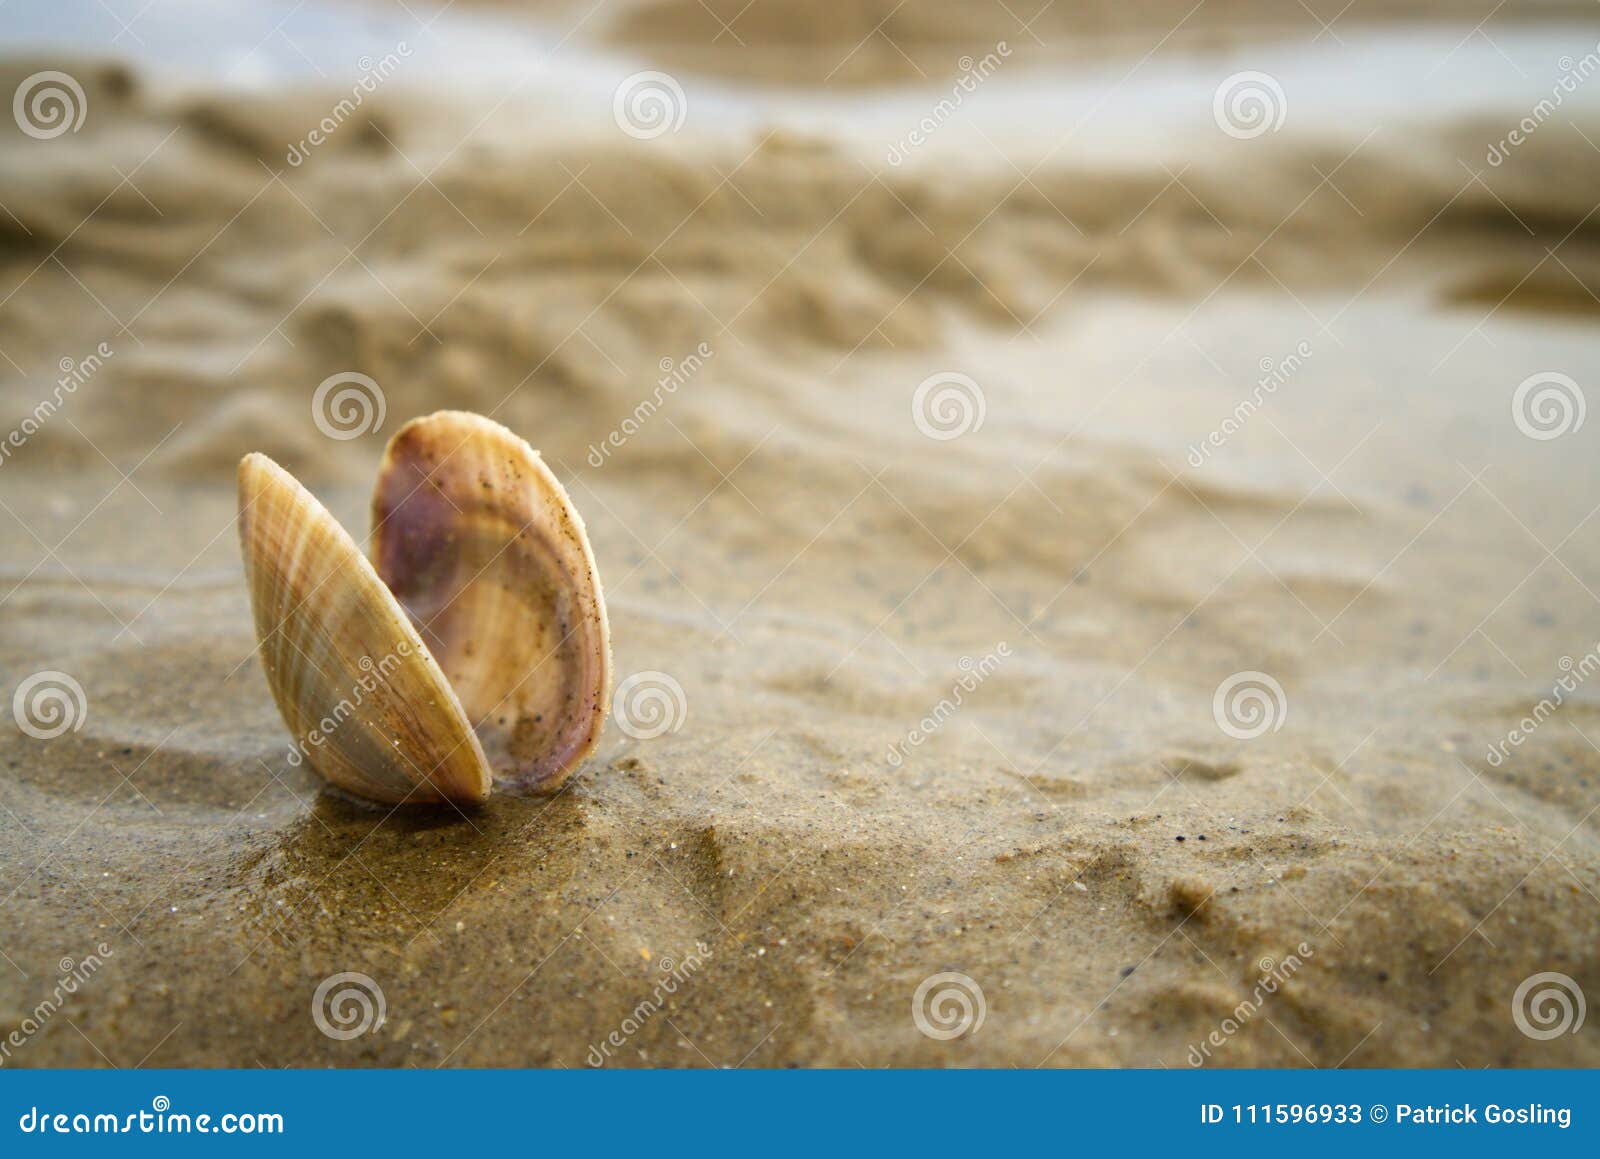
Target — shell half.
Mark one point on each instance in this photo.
(481, 545)
(368, 705)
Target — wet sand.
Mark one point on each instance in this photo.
(1087, 837)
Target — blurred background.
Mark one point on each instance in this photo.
(1100, 494)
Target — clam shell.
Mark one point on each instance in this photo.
(481, 545)
(366, 702)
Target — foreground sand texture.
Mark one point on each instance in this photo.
(780, 537)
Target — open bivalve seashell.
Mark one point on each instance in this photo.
(473, 648)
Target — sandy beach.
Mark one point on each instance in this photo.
(1113, 535)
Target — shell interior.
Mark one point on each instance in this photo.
(479, 542)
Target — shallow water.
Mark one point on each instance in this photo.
(1106, 93)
